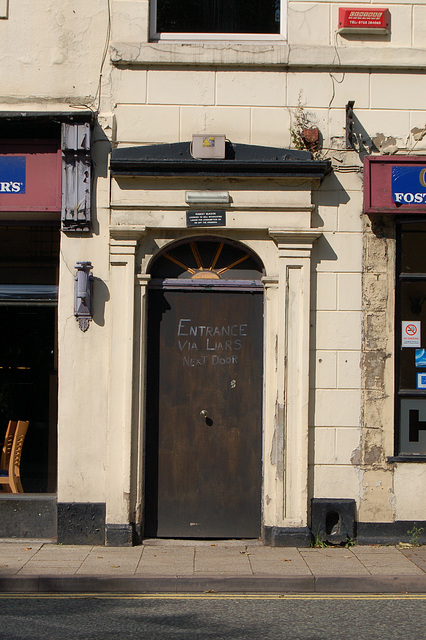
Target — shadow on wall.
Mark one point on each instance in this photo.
(362, 141)
(101, 149)
(100, 297)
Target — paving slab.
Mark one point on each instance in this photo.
(333, 561)
(113, 560)
(166, 561)
(15, 556)
(55, 559)
(392, 563)
(47, 570)
(215, 560)
(417, 556)
(277, 562)
(63, 552)
(26, 551)
(12, 568)
(375, 549)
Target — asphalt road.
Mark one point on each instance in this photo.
(210, 617)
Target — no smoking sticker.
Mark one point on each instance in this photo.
(411, 334)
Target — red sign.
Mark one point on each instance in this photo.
(379, 185)
(359, 20)
(43, 180)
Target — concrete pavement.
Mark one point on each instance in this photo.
(209, 567)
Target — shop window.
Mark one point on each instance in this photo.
(216, 19)
(411, 339)
(28, 351)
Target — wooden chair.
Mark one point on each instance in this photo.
(10, 477)
(7, 444)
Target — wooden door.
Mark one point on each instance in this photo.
(204, 414)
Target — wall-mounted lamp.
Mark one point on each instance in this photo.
(83, 294)
(207, 197)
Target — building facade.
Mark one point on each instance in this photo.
(212, 274)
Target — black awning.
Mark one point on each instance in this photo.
(240, 160)
(82, 115)
(40, 124)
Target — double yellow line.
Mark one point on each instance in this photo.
(213, 596)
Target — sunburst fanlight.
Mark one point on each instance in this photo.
(205, 271)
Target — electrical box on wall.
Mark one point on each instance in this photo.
(362, 20)
(208, 146)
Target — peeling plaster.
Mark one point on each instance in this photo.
(418, 134)
(376, 489)
(376, 505)
(385, 144)
(360, 475)
(356, 456)
(392, 502)
(373, 455)
(277, 448)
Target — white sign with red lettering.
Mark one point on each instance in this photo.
(411, 333)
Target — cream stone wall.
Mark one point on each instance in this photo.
(317, 23)
(84, 357)
(264, 107)
(51, 53)
(72, 55)
(336, 336)
(261, 100)
(51, 59)
(83, 374)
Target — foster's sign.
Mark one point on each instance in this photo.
(395, 184)
(12, 174)
(409, 185)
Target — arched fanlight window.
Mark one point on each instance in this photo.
(207, 259)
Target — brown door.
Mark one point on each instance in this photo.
(204, 406)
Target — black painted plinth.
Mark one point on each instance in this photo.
(333, 520)
(287, 536)
(392, 532)
(119, 535)
(81, 523)
(26, 515)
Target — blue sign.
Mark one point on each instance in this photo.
(421, 381)
(421, 358)
(409, 185)
(12, 174)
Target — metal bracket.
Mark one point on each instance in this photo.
(350, 135)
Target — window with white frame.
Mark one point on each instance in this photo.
(216, 19)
